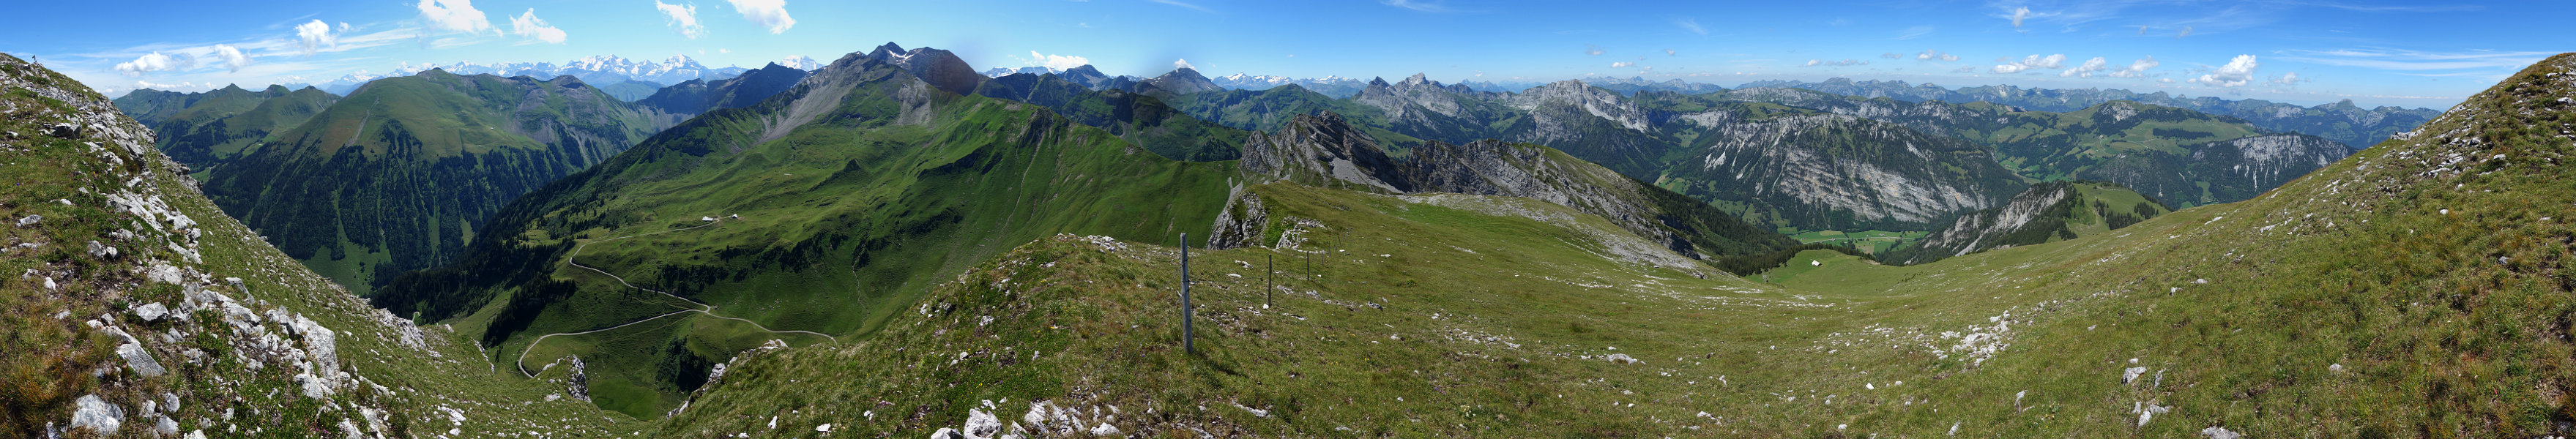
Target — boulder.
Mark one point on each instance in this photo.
(151, 312)
(140, 359)
(981, 425)
(97, 414)
(30, 220)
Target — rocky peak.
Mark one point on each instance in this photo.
(1417, 79)
(938, 67)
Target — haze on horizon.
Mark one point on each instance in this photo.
(2414, 54)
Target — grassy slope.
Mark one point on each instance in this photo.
(398, 175)
(265, 399)
(842, 222)
(2442, 297)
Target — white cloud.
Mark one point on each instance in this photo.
(682, 18)
(314, 35)
(1415, 5)
(2137, 69)
(138, 85)
(1929, 55)
(1058, 62)
(1914, 32)
(454, 15)
(767, 13)
(1184, 4)
(1824, 63)
(528, 25)
(1183, 63)
(155, 62)
(2237, 72)
(232, 57)
(2086, 70)
(1621, 64)
(2050, 62)
(2291, 78)
(1692, 25)
(2165, 80)
(2019, 14)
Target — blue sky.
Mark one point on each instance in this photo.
(2410, 53)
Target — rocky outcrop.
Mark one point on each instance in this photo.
(1325, 151)
(1843, 172)
(2046, 212)
(938, 67)
(2243, 168)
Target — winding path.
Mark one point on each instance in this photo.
(703, 307)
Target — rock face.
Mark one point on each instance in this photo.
(938, 67)
(2047, 212)
(2243, 168)
(1842, 172)
(1180, 81)
(1325, 151)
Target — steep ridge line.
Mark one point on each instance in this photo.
(706, 309)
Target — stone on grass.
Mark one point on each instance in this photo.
(1104, 430)
(140, 359)
(2216, 432)
(30, 220)
(825, 428)
(981, 425)
(97, 414)
(2130, 376)
(946, 433)
(151, 312)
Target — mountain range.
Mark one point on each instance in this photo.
(2342, 121)
(604, 70)
(883, 249)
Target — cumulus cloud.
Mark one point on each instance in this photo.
(1621, 64)
(2050, 62)
(231, 57)
(2086, 70)
(1824, 63)
(2019, 14)
(2137, 69)
(767, 13)
(1691, 25)
(454, 15)
(1058, 62)
(315, 35)
(1930, 55)
(2237, 72)
(528, 25)
(682, 18)
(156, 62)
(1183, 63)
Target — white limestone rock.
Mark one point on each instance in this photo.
(97, 414)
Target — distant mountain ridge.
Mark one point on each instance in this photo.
(2342, 121)
(396, 176)
(603, 70)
